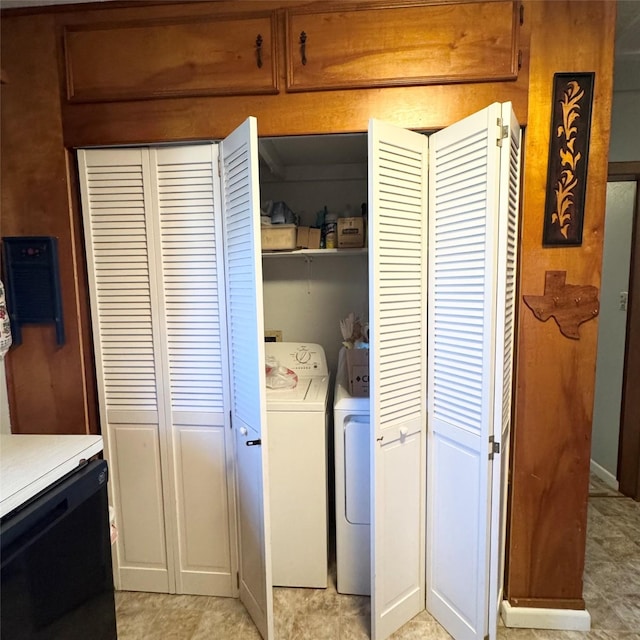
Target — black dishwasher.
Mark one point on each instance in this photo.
(55, 556)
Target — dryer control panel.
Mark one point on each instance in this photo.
(305, 358)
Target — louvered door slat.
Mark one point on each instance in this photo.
(241, 275)
(506, 308)
(156, 279)
(470, 349)
(459, 265)
(108, 245)
(120, 258)
(397, 297)
(186, 213)
(187, 216)
(239, 153)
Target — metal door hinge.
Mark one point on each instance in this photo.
(519, 59)
(238, 579)
(521, 14)
(230, 419)
(503, 132)
(494, 447)
(219, 166)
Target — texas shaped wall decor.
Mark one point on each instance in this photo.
(569, 304)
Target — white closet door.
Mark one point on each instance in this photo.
(241, 201)
(510, 153)
(187, 222)
(398, 301)
(122, 283)
(467, 364)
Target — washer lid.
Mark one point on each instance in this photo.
(310, 394)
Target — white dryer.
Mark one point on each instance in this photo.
(351, 443)
(297, 422)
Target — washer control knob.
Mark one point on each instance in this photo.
(303, 356)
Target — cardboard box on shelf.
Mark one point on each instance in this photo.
(308, 238)
(350, 233)
(278, 237)
(358, 372)
(314, 238)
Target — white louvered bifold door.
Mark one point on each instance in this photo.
(122, 282)
(188, 227)
(398, 303)
(510, 153)
(467, 303)
(241, 202)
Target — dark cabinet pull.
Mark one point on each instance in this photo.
(253, 443)
(259, 51)
(303, 47)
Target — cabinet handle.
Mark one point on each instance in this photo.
(244, 431)
(303, 47)
(259, 51)
(253, 443)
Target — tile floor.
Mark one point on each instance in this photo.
(611, 591)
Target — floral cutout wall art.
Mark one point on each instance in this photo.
(568, 156)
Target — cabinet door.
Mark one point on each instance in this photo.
(122, 285)
(191, 56)
(398, 303)
(187, 216)
(472, 244)
(410, 45)
(241, 201)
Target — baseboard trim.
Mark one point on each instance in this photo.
(534, 618)
(608, 478)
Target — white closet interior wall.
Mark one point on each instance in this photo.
(306, 298)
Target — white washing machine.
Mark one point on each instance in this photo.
(297, 421)
(351, 443)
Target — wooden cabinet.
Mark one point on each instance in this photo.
(407, 45)
(330, 46)
(178, 57)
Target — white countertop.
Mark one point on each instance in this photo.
(30, 463)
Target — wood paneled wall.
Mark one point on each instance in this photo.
(52, 388)
(49, 385)
(555, 375)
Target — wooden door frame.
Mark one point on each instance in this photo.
(629, 443)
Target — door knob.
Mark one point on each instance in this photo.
(244, 431)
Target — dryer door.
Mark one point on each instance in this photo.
(357, 480)
(353, 510)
